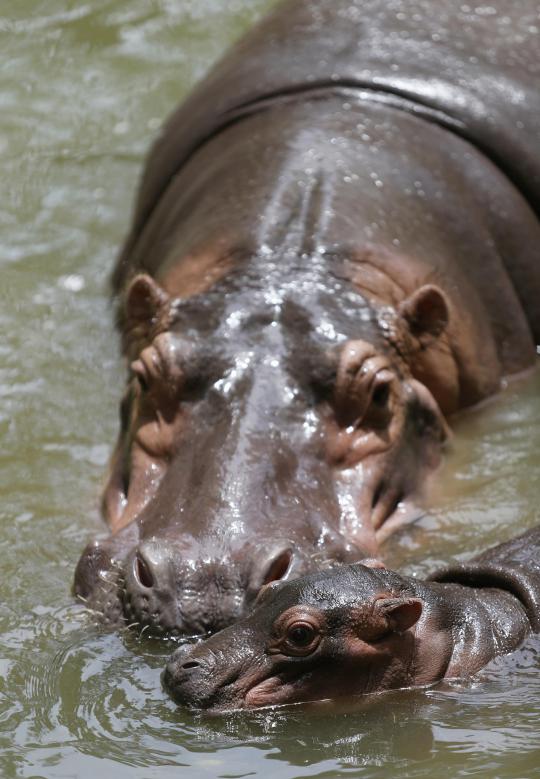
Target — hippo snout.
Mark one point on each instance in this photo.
(172, 588)
(149, 593)
(99, 575)
(201, 678)
(186, 678)
(171, 591)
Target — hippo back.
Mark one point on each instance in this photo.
(513, 566)
(472, 70)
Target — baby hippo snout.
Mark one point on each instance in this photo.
(186, 677)
(209, 674)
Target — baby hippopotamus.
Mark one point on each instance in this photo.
(360, 629)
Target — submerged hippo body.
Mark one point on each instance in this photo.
(334, 248)
(360, 630)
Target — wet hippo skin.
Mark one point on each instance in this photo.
(334, 248)
(360, 630)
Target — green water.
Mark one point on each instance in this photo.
(84, 86)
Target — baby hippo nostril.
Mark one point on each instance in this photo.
(189, 666)
(142, 572)
(182, 656)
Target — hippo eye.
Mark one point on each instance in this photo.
(301, 638)
(301, 635)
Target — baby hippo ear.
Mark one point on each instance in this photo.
(400, 613)
(373, 562)
(426, 313)
(144, 302)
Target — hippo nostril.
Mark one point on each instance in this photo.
(377, 495)
(397, 500)
(278, 567)
(142, 572)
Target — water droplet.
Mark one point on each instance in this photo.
(121, 128)
(485, 10)
(73, 282)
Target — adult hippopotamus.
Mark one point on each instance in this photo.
(334, 248)
(360, 630)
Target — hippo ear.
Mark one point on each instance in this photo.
(400, 613)
(145, 301)
(265, 591)
(426, 312)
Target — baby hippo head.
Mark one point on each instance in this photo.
(329, 634)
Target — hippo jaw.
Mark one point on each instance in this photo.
(326, 636)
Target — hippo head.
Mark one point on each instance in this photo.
(271, 424)
(327, 635)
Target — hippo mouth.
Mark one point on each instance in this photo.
(281, 689)
(101, 587)
(276, 690)
(111, 605)
(105, 602)
(208, 685)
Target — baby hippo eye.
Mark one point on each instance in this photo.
(300, 635)
(302, 638)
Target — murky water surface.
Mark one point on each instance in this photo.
(84, 85)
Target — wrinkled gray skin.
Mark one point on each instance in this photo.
(334, 248)
(359, 630)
